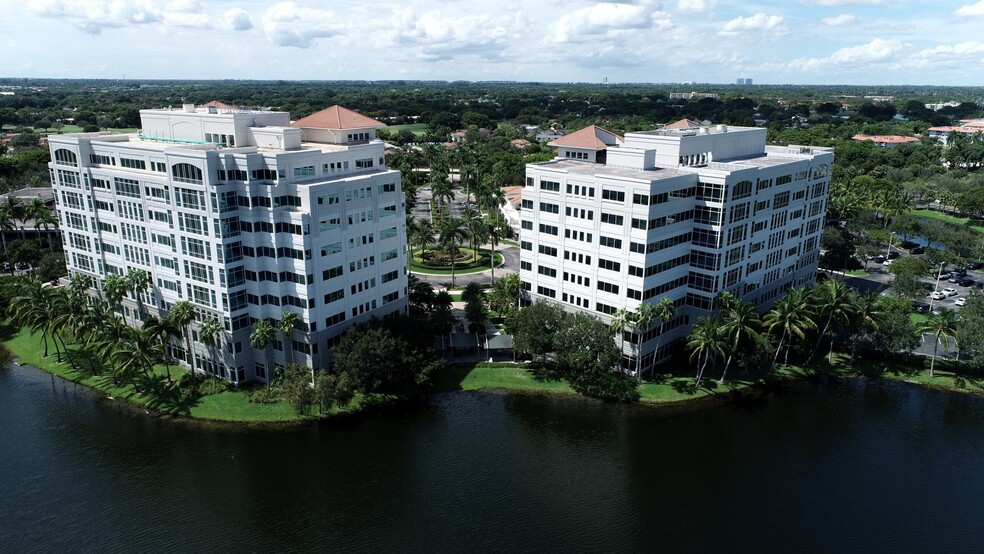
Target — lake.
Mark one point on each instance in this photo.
(852, 465)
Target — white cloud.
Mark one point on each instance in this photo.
(186, 13)
(92, 16)
(878, 51)
(695, 6)
(606, 19)
(971, 10)
(756, 23)
(841, 20)
(962, 55)
(287, 24)
(236, 19)
(436, 36)
(841, 3)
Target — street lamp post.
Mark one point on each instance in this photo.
(889, 250)
(932, 297)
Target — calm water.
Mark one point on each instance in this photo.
(853, 466)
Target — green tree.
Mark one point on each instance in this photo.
(589, 360)
(261, 338)
(534, 328)
(333, 391)
(943, 326)
(790, 317)
(834, 309)
(644, 316)
(183, 314)
(298, 389)
(289, 322)
(665, 310)
(706, 342)
(451, 234)
(211, 333)
(378, 362)
(741, 326)
(162, 330)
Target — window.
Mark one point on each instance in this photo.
(614, 195)
(612, 219)
(264, 175)
(549, 208)
(66, 157)
(186, 173)
(610, 242)
(607, 287)
(741, 190)
(609, 264)
(363, 163)
(300, 172)
(551, 186)
(132, 164)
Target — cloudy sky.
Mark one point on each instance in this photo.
(715, 41)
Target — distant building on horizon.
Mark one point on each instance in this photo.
(684, 212)
(247, 216)
(690, 95)
(743, 81)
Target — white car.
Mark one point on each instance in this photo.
(960, 301)
(887, 262)
(950, 291)
(937, 295)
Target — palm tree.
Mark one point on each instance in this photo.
(442, 318)
(621, 319)
(138, 281)
(6, 224)
(665, 309)
(34, 210)
(31, 310)
(834, 300)
(162, 329)
(942, 325)
(423, 234)
(790, 316)
(475, 228)
(705, 341)
(868, 317)
(262, 338)
(741, 323)
(139, 351)
(289, 322)
(644, 317)
(411, 236)
(211, 333)
(441, 191)
(495, 232)
(182, 314)
(115, 289)
(14, 209)
(452, 233)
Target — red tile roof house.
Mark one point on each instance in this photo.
(886, 141)
(588, 144)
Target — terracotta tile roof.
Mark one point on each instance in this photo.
(217, 104)
(590, 137)
(337, 117)
(519, 143)
(886, 139)
(683, 124)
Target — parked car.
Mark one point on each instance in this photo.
(7, 266)
(917, 250)
(878, 259)
(920, 307)
(893, 255)
(888, 262)
(954, 278)
(975, 265)
(966, 282)
(928, 286)
(22, 265)
(937, 295)
(950, 292)
(960, 301)
(944, 275)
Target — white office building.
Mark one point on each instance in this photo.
(244, 214)
(684, 212)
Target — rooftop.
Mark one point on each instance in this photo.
(591, 137)
(337, 117)
(886, 139)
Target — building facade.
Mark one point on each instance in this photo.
(685, 213)
(245, 215)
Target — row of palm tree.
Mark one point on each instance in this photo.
(67, 316)
(639, 322)
(12, 211)
(264, 334)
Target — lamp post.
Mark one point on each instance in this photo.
(932, 297)
(889, 250)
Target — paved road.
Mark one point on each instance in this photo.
(510, 264)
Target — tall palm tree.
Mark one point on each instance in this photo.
(211, 333)
(705, 342)
(790, 316)
(138, 352)
(182, 314)
(834, 305)
(621, 319)
(411, 236)
(644, 317)
(262, 338)
(741, 324)
(868, 317)
(452, 233)
(115, 289)
(495, 231)
(442, 192)
(475, 229)
(942, 325)
(441, 317)
(162, 329)
(31, 310)
(46, 220)
(6, 224)
(665, 309)
(424, 234)
(138, 281)
(33, 210)
(289, 322)
(15, 211)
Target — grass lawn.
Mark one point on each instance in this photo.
(419, 129)
(948, 218)
(224, 406)
(460, 268)
(857, 272)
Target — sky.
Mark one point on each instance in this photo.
(863, 42)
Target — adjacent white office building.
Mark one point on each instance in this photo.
(244, 214)
(684, 212)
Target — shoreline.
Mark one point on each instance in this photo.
(672, 394)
